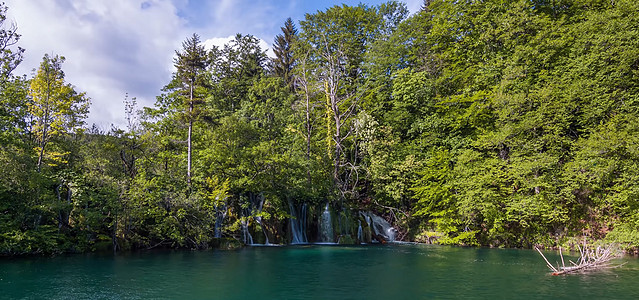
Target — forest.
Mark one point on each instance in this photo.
(477, 123)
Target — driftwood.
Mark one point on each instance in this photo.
(590, 259)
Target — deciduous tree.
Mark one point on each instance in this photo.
(56, 107)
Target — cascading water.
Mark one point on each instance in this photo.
(258, 217)
(326, 226)
(246, 204)
(246, 235)
(259, 221)
(298, 224)
(359, 232)
(382, 228)
(390, 232)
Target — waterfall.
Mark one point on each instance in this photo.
(326, 226)
(359, 232)
(298, 224)
(258, 217)
(382, 228)
(253, 204)
(246, 235)
(390, 232)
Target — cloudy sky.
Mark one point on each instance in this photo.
(116, 47)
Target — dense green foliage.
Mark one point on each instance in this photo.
(502, 123)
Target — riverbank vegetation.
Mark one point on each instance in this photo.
(497, 123)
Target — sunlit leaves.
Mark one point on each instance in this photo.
(56, 108)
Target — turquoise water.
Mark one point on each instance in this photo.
(311, 272)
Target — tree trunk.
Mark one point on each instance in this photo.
(40, 157)
(308, 132)
(45, 124)
(188, 141)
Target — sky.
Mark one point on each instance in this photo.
(119, 47)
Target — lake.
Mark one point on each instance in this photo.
(312, 272)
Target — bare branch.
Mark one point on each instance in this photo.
(589, 260)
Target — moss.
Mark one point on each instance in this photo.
(346, 240)
(226, 244)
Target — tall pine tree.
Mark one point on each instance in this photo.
(283, 62)
(191, 65)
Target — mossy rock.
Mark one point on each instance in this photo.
(346, 240)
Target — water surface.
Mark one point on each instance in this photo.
(311, 272)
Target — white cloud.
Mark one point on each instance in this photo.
(265, 46)
(124, 46)
(127, 46)
(112, 47)
(217, 41)
(221, 41)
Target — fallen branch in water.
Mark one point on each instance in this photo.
(590, 259)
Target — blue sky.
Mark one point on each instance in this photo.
(116, 47)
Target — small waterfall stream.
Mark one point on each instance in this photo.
(382, 228)
(298, 224)
(246, 235)
(359, 232)
(253, 204)
(258, 217)
(326, 226)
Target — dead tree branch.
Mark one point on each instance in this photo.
(589, 260)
